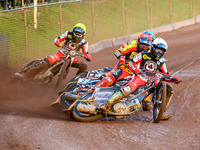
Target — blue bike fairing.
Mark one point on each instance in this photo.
(102, 94)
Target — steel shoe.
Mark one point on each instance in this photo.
(165, 117)
(18, 75)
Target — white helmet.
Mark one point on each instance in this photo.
(161, 44)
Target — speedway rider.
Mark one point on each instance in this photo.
(125, 53)
(122, 70)
(131, 42)
(145, 102)
(152, 61)
(75, 40)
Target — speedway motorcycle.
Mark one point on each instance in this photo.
(84, 107)
(81, 83)
(60, 68)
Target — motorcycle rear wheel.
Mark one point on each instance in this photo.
(83, 117)
(159, 105)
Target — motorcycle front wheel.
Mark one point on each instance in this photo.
(62, 72)
(160, 103)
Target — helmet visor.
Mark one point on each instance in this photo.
(145, 41)
(161, 46)
(78, 29)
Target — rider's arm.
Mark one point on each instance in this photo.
(163, 69)
(85, 52)
(126, 48)
(136, 63)
(60, 39)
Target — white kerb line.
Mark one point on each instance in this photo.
(185, 66)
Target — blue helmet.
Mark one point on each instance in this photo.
(153, 37)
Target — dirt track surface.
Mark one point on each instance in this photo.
(27, 121)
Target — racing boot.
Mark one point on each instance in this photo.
(146, 103)
(112, 100)
(18, 75)
(41, 65)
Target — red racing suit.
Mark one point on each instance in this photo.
(126, 52)
(143, 61)
(67, 36)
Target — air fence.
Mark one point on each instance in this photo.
(28, 33)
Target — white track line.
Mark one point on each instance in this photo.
(185, 66)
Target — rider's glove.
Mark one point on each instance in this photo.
(122, 46)
(137, 71)
(61, 44)
(88, 59)
(177, 80)
(122, 60)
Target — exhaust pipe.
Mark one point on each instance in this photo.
(87, 108)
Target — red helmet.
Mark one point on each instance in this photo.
(144, 39)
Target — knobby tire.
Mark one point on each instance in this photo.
(157, 114)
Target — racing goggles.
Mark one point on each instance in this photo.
(78, 34)
(145, 41)
(144, 46)
(160, 51)
(78, 29)
(161, 46)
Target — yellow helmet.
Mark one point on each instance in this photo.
(79, 27)
(79, 31)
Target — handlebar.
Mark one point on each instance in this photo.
(158, 75)
(73, 53)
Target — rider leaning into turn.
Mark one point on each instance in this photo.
(75, 40)
(125, 53)
(145, 102)
(151, 61)
(129, 46)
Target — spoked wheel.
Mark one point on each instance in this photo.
(159, 105)
(84, 117)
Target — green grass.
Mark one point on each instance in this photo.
(108, 23)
